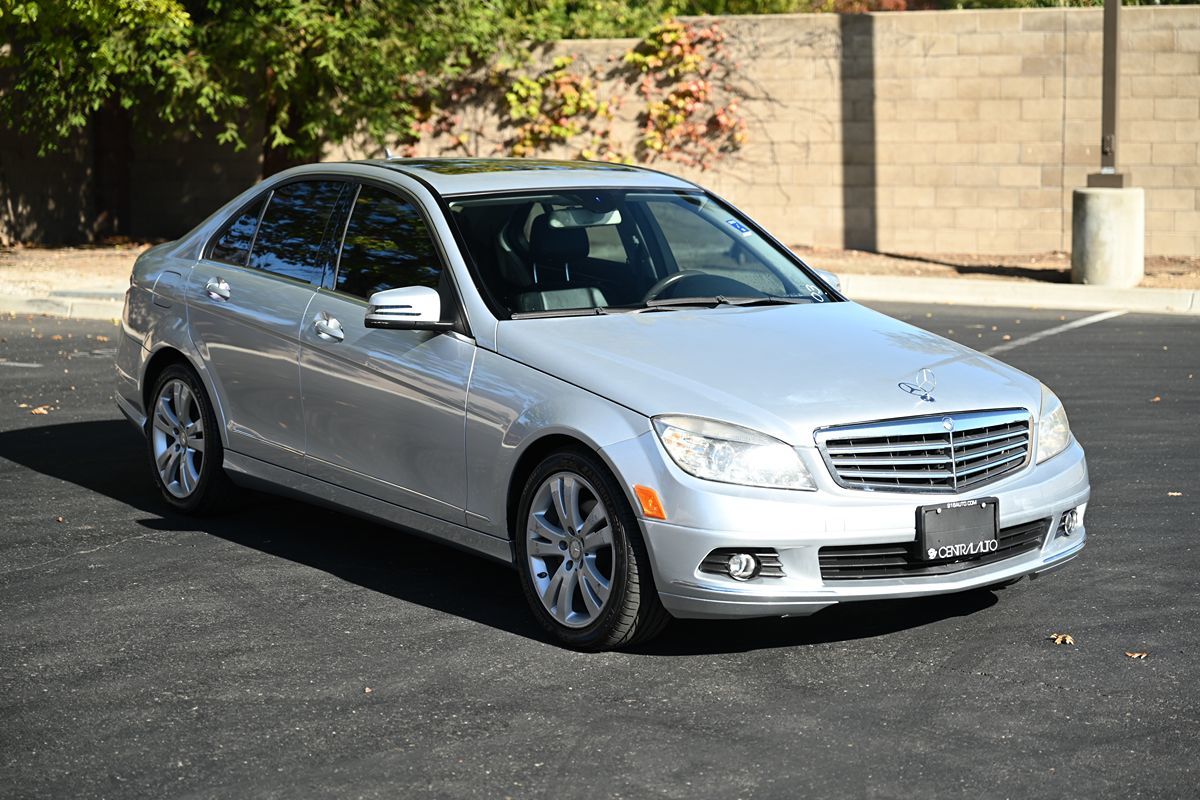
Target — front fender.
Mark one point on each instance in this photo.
(510, 407)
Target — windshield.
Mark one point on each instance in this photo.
(595, 251)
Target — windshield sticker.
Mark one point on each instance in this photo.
(739, 227)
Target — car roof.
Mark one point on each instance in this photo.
(456, 176)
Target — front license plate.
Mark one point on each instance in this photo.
(960, 529)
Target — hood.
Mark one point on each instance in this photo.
(782, 370)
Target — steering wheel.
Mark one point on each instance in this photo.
(671, 280)
(705, 285)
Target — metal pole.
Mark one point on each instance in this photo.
(1108, 175)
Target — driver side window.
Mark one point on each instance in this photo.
(698, 244)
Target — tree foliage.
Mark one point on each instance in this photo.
(69, 58)
(307, 71)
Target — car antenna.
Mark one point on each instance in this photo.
(387, 153)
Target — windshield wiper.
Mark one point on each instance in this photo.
(721, 300)
(768, 300)
(560, 312)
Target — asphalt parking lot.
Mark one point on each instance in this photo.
(294, 652)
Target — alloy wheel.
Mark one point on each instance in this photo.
(569, 545)
(177, 438)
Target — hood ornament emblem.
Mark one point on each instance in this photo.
(923, 386)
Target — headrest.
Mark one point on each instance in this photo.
(556, 246)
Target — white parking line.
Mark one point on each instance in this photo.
(28, 364)
(1057, 329)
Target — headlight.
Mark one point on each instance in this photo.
(1054, 434)
(717, 451)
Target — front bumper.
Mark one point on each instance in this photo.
(703, 516)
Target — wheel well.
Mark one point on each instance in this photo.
(527, 463)
(158, 362)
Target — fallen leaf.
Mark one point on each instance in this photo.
(23, 405)
(1061, 638)
(56, 337)
(59, 519)
(1005, 337)
(1174, 494)
(40, 411)
(367, 690)
(1136, 654)
(1156, 399)
(102, 338)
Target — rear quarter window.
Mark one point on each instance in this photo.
(232, 244)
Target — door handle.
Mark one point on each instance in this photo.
(329, 328)
(217, 289)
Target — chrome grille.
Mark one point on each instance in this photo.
(919, 454)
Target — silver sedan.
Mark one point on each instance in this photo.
(604, 376)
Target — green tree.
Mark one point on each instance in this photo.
(70, 58)
(312, 70)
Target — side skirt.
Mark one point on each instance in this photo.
(255, 474)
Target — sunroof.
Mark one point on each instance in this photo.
(470, 166)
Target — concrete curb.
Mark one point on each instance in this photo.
(64, 306)
(1062, 296)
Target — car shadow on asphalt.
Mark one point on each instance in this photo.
(414, 569)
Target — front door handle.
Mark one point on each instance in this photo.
(217, 289)
(329, 328)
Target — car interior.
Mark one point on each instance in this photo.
(561, 252)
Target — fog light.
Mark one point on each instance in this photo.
(742, 566)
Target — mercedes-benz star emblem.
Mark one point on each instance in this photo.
(923, 386)
(948, 423)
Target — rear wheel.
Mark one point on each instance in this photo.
(584, 567)
(185, 444)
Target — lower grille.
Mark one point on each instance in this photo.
(864, 562)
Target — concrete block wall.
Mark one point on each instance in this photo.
(961, 131)
(931, 132)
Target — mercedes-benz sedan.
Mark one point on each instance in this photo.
(604, 376)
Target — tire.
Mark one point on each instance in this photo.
(183, 442)
(575, 571)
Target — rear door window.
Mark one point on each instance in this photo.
(293, 227)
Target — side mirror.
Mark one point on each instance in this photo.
(409, 308)
(829, 278)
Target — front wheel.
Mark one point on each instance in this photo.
(583, 565)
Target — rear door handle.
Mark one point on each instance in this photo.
(329, 328)
(217, 289)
